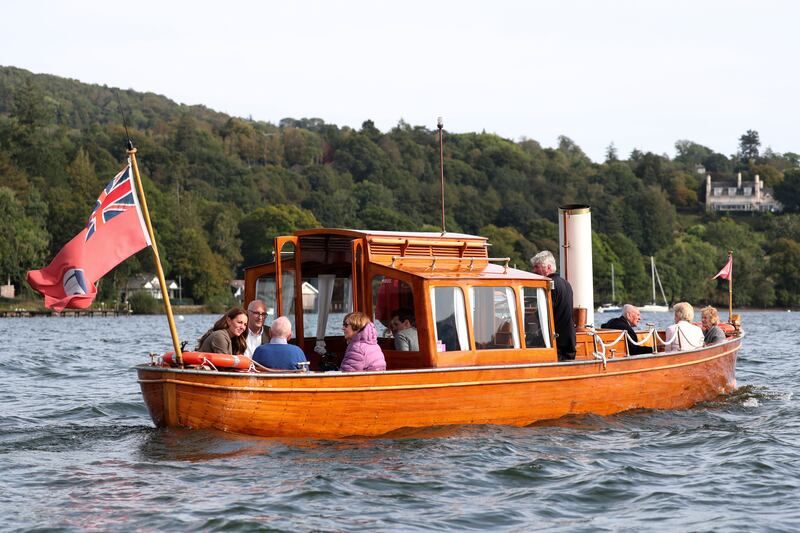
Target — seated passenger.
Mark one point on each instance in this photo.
(683, 334)
(227, 335)
(713, 333)
(404, 331)
(447, 334)
(363, 352)
(629, 320)
(278, 353)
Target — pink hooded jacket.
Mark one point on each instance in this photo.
(363, 352)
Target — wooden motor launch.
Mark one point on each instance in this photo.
(486, 344)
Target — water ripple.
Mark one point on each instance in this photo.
(78, 452)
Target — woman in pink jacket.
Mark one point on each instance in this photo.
(363, 352)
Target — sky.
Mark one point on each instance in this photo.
(638, 74)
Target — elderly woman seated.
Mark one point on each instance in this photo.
(683, 335)
(713, 333)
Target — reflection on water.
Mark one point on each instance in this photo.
(78, 451)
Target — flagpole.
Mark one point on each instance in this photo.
(176, 344)
(730, 287)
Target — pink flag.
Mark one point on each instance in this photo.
(726, 271)
(115, 231)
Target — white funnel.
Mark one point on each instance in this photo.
(575, 255)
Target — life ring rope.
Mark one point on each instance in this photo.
(215, 360)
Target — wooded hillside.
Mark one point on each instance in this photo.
(220, 187)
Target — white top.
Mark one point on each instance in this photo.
(687, 337)
(253, 342)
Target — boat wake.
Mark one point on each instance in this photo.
(64, 437)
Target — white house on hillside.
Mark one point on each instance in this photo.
(740, 196)
(148, 283)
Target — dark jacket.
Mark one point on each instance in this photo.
(622, 323)
(562, 316)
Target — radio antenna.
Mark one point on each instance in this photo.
(440, 125)
(124, 120)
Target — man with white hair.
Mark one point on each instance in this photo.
(629, 320)
(256, 332)
(544, 264)
(279, 353)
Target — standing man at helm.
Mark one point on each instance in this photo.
(256, 332)
(544, 264)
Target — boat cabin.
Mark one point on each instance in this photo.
(468, 308)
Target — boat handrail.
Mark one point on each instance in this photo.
(650, 334)
(622, 335)
(434, 258)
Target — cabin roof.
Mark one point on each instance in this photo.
(486, 271)
(433, 235)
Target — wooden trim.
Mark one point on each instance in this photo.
(443, 385)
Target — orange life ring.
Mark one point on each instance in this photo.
(219, 360)
(729, 329)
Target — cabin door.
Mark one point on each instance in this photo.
(287, 280)
(359, 287)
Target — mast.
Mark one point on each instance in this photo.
(176, 343)
(730, 288)
(440, 125)
(661, 288)
(613, 289)
(653, 277)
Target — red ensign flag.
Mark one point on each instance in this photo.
(114, 232)
(726, 271)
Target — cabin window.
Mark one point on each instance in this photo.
(717, 191)
(731, 191)
(326, 300)
(391, 297)
(748, 191)
(494, 317)
(266, 291)
(449, 318)
(537, 327)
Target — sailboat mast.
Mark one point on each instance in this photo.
(613, 288)
(653, 277)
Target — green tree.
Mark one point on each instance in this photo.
(23, 242)
(204, 273)
(508, 242)
(259, 228)
(686, 268)
(784, 264)
(748, 146)
(787, 192)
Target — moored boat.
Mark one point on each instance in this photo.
(611, 307)
(486, 347)
(653, 306)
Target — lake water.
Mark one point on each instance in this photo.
(78, 452)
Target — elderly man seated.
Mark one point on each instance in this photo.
(626, 322)
(279, 353)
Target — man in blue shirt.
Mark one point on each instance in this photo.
(279, 354)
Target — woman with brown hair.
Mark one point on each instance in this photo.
(363, 352)
(227, 335)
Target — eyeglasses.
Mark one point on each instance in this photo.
(346, 325)
(261, 315)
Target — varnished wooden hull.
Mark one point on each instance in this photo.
(332, 405)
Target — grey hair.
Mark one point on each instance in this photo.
(683, 311)
(628, 308)
(544, 258)
(281, 327)
(254, 304)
